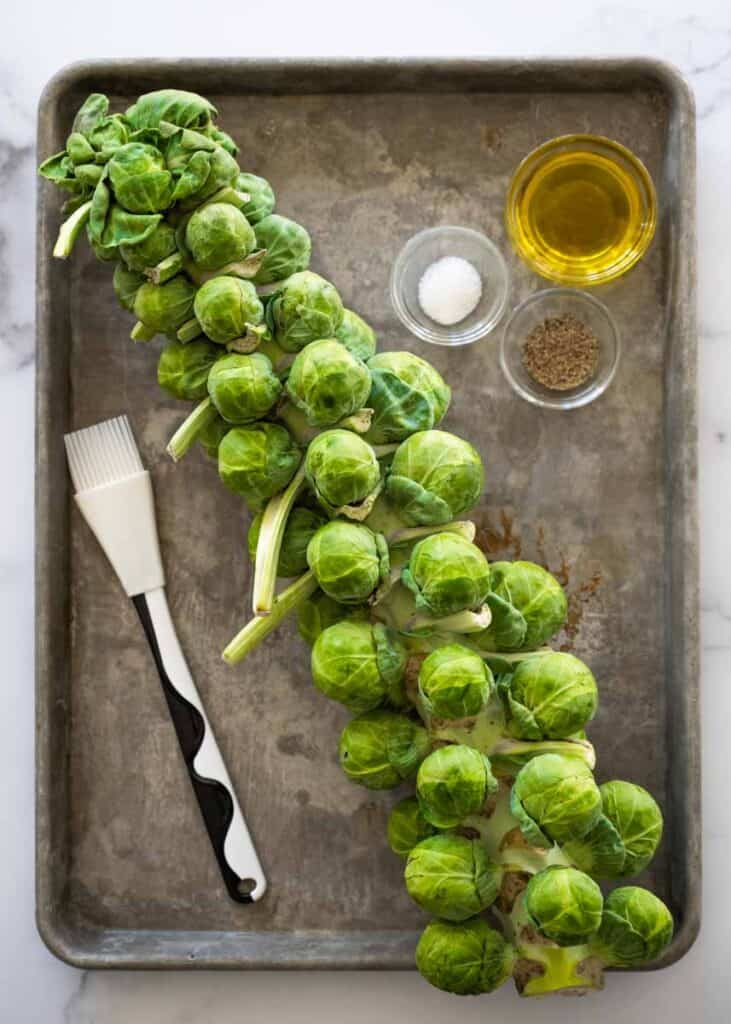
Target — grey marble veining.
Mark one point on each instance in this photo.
(36, 41)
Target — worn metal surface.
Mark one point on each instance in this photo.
(364, 154)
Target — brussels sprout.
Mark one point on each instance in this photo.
(507, 628)
(221, 171)
(164, 307)
(140, 180)
(356, 335)
(555, 799)
(186, 109)
(126, 285)
(359, 665)
(217, 234)
(407, 826)
(551, 697)
(223, 139)
(227, 308)
(327, 383)
(183, 370)
(109, 225)
(243, 388)
(466, 959)
(153, 250)
(624, 840)
(536, 595)
(306, 308)
(434, 478)
(564, 904)
(321, 611)
(381, 748)
(636, 927)
(258, 461)
(447, 574)
(211, 435)
(261, 201)
(454, 682)
(302, 525)
(453, 783)
(348, 560)
(407, 395)
(287, 245)
(452, 877)
(341, 468)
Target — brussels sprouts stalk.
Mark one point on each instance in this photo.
(140, 332)
(69, 231)
(269, 544)
(461, 622)
(408, 534)
(246, 268)
(261, 626)
(165, 269)
(296, 421)
(250, 341)
(202, 416)
(190, 330)
(363, 509)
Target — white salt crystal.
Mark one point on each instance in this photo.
(449, 290)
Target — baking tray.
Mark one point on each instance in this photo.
(364, 153)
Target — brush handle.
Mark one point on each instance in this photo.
(213, 788)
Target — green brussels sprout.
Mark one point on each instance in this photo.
(222, 172)
(454, 682)
(348, 560)
(327, 383)
(555, 799)
(211, 435)
(140, 180)
(288, 248)
(153, 250)
(551, 697)
(467, 959)
(126, 285)
(356, 335)
(359, 665)
(261, 201)
(110, 225)
(452, 877)
(434, 478)
(636, 927)
(305, 309)
(243, 388)
(447, 574)
(222, 139)
(164, 307)
(341, 468)
(321, 611)
(227, 307)
(536, 595)
(217, 234)
(381, 748)
(183, 370)
(564, 904)
(507, 628)
(407, 826)
(186, 109)
(453, 783)
(407, 395)
(302, 524)
(257, 462)
(108, 135)
(626, 836)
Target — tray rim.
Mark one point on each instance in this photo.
(359, 950)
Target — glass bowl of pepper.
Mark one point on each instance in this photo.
(560, 348)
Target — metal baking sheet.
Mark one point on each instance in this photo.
(364, 153)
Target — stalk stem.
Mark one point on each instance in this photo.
(69, 231)
(269, 545)
(190, 428)
(261, 626)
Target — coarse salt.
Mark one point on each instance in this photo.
(449, 290)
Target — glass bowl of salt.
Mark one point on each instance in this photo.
(449, 285)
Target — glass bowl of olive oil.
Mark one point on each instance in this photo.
(581, 210)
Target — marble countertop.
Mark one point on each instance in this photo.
(40, 38)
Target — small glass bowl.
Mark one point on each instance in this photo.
(419, 253)
(551, 303)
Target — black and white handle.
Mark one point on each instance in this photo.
(221, 812)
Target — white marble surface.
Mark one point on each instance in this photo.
(36, 40)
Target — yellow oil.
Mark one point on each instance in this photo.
(581, 210)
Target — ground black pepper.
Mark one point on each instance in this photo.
(561, 353)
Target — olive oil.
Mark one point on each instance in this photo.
(581, 210)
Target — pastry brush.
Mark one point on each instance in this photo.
(114, 494)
